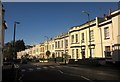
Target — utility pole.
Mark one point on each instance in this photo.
(64, 50)
(1, 58)
(47, 42)
(14, 51)
(47, 51)
(3, 26)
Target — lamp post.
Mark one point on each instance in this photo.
(65, 50)
(47, 52)
(47, 42)
(14, 39)
(89, 31)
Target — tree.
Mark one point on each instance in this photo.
(8, 49)
(48, 53)
(19, 45)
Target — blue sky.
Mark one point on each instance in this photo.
(39, 19)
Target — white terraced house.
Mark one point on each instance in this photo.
(98, 38)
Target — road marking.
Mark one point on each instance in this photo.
(21, 78)
(45, 67)
(16, 66)
(30, 69)
(86, 78)
(23, 70)
(36, 65)
(38, 68)
(57, 66)
(60, 71)
(77, 76)
(52, 67)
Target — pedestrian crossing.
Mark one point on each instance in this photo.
(39, 68)
(52, 67)
(30, 69)
(23, 70)
(45, 67)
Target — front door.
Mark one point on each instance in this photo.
(83, 54)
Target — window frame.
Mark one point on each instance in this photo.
(72, 38)
(73, 56)
(91, 35)
(82, 37)
(106, 33)
(76, 38)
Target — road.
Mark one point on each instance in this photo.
(54, 71)
(33, 72)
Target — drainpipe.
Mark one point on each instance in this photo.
(97, 24)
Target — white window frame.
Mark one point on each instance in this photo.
(91, 35)
(77, 54)
(106, 33)
(72, 38)
(82, 37)
(73, 54)
(76, 38)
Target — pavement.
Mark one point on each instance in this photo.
(106, 66)
(46, 63)
(10, 73)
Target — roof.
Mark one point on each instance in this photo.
(83, 23)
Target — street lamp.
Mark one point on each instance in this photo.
(47, 52)
(47, 42)
(89, 31)
(14, 39)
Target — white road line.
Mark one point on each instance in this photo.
(23, 70)
(60, 71)
(57, 66)
(38, 68)
(36, 65)
(21, 78)
(52, 67)
(77, 76)
(16, 66)
(30, 69)
(86, 78)
(45, 67)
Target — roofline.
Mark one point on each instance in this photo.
(83, 24)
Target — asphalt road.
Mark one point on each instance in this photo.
(45, 72)
(35, 72)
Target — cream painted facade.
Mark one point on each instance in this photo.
(105, 36)
(47, 47)
(32, 52)
(42, 54)
(51, 47)
(101, 36)
(36, 51)
(79, 41)
(62, 45)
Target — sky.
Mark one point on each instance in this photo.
(40, 19)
